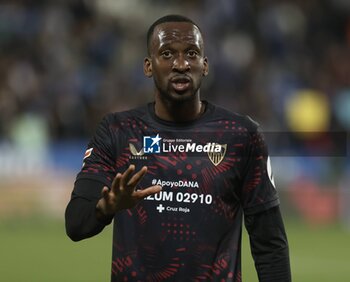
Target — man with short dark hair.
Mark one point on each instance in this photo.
(177, 176)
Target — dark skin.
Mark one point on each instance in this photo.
(122, 194)
(177, 64)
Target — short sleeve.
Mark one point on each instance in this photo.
(258, 189)
(99, 159)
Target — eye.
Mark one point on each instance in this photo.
(192, 53)
(166, 54)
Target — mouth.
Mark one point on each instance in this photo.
(180, 83)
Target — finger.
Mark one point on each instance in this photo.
(126, 176)
(141, 194)
(116, 182)
(136, 178)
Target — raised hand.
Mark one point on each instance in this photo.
(122, 194)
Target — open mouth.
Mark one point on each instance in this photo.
(180, 83)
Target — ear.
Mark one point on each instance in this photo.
(147, 67)
(206, 66)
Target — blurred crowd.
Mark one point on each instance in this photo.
(64, 64)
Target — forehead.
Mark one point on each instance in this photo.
(175, 32)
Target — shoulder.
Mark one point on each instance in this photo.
(124, 118)
(112, 123)
(237, 119)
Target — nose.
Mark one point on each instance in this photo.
(181, 64)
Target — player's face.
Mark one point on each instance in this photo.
(176, 61)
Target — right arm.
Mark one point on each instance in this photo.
(80, 216)
(94, 205)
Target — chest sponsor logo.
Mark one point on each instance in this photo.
(157, 145)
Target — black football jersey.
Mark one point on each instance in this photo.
(212, 170)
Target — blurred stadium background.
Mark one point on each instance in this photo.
(64, 64)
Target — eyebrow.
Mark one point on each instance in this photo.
(186, 49)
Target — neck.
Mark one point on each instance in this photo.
(179, 111)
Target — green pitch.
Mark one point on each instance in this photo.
(38, 250)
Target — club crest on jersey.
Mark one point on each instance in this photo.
(216, 157)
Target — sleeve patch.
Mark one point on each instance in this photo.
(88, 153)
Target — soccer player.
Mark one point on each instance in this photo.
(177, 176)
